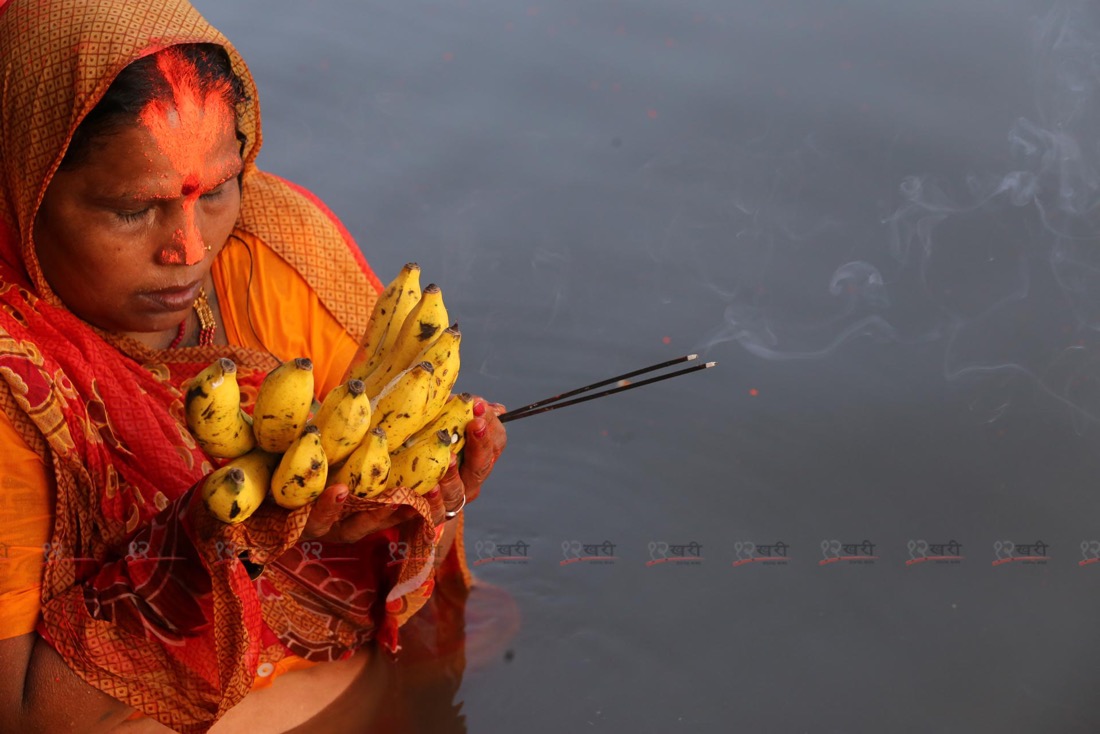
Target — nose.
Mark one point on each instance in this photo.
(182, 250)
(185, 246)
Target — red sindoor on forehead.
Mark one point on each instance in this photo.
(187, 130)
(190, 185)
(191, 125)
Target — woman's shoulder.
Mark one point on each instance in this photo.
(267, 304)
(298, 227)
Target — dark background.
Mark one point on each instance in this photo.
(877, 216)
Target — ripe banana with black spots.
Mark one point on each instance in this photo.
(420, 466)
(456, 413)
(366, 470)
(443, 353)
(393, 306)
(282, 404)
(302, 471)
(423, 324)
(344, 419)
(213, 409)
(234, 491)
(401, 408)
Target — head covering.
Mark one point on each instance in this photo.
(58, 59)
(60, 56)
(141, 593)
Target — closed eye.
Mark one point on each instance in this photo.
(218, 190)
(133, 216)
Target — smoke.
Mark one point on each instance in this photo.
(998, 269)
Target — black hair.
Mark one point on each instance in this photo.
(142, 82)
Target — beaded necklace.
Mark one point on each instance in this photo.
(207, 324)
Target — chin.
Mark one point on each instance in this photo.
(145, 329)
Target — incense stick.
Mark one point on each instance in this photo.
(601, 383)
(522, 413)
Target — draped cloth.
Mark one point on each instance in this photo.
(144, 594)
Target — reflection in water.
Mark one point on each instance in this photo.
(416, 692)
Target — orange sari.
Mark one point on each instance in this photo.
(143, 593)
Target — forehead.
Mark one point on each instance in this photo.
(191, 117)
(158, 160)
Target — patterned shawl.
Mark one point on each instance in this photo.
(143, 593)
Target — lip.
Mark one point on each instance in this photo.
(174, 298)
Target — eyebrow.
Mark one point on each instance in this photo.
(138, 197)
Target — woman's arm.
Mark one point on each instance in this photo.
(40, 693)
(172, 621)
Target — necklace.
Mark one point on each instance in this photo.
(207, 324)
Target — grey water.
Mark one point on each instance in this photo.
(879, 218)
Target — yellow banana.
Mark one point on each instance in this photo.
(443, 353)
(300, 476)
(423, 324)
(282, 404)
(213, 409)
(367, 468)
(421, 466)
(395, 303)
(400, 409)
(439, 350)
(456, 413)
(234, 491)
(344, 419)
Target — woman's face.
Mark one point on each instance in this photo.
(127, 237)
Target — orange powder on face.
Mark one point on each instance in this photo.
(188, 129)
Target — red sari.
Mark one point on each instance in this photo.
(144, 594)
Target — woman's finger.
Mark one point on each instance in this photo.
(454, 492)
(358, 525)
(435, 505)
(325, 511)
(485, 440)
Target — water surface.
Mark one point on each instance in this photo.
(877, 216)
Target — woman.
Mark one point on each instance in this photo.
(138, 242)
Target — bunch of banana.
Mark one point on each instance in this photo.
(257, 446)
(409, 376)
(421, 327)
(392, 422)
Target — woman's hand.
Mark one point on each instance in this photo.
(325, 523)
(485, 441)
